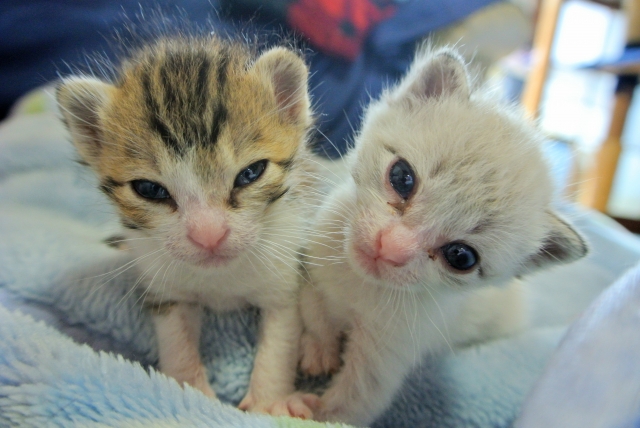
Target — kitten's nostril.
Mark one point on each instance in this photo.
(208, 238)
(397, 245)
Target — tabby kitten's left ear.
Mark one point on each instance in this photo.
(81, 99)
(287, 74)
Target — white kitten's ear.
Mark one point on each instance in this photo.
(434, 75)
(563, 244)
(80, 100)
(288, 76)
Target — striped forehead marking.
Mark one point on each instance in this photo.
(178, 98)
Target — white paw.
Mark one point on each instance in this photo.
(331, 407)
(319, 357)
(296, 405)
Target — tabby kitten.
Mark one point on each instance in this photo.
(201, 147)
(449, 201)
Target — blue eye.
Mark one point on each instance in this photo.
(402, 178)
(150, 190)
(459, 256)
(250, 173)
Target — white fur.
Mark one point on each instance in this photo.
(481, 180)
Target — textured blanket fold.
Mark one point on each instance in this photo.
(55, 266)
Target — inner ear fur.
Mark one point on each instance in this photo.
(81, 100)
(436, 74)
(287, 74)
(562, 244)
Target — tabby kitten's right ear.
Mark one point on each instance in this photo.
(288, 75)
(80, 100)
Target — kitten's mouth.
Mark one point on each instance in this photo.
(373, 264)
(212, 260)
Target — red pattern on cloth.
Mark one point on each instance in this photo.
(338, 27)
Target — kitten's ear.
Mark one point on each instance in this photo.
(80, 100)
(563, 244)
(434, 75)
(288, 76)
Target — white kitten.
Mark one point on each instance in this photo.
(449, 202)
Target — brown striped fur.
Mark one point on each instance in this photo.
(202, 102)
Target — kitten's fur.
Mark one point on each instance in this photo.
(480, 179)
(190, 114)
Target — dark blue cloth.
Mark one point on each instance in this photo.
(38, 38)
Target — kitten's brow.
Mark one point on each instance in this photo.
(390, 150)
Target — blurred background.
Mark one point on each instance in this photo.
(573, 64)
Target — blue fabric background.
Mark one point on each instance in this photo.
(39, 39)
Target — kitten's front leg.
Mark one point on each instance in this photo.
(371, 373)
(178, 328)
(274, 368)
(320, 342)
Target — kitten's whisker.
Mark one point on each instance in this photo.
(289, 250)
(280, 253)
(426, 312)
(308, 240)
(173, 264)
(271, 269)
(331, 142)
(149, 286)
(279, 256)
(118, 241)
(442, 317)
(115, 272)
(139, 280)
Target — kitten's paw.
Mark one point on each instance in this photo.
(248, 403)
(296, 405)
(318, 357)
(204, 387)
(334, 406)
(206, 390)
(200, 381)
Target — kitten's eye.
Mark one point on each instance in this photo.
(459, 256)
(250, 173)
(402, 178)
(150, 190)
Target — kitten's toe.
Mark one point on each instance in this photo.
(319, 357)
(247, 404)
(198, 380)
(331, 408)
(206, 390)
(296, 405)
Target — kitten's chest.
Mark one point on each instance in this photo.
(221, 289)
(400, 319)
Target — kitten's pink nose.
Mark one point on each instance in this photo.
(397, 245)
(208, 237)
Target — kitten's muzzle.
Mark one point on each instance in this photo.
(395, 246)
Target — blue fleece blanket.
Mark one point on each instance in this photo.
(55, 267)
